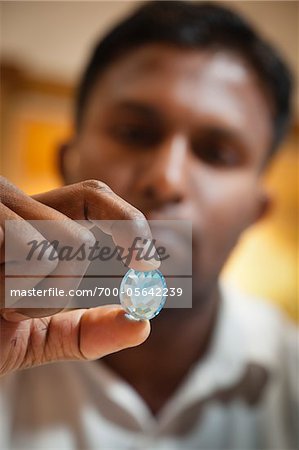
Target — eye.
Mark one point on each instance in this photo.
(218, 154)
(135, 135)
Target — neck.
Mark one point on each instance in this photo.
(178, 339)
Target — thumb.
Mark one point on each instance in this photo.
(109, 329)
(84, 334)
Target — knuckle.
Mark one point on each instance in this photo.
(8, 190)
(135, 214)
(96, 185)
(3, 186)
(138, 215)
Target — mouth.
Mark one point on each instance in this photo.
(173, 233)
(170, 227)
(175, 238)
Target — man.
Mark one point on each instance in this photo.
(179, 110)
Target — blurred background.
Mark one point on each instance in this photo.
(44, 46)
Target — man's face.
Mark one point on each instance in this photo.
(180, 134)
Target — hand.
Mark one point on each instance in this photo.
(34, 336)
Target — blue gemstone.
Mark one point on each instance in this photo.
(143, 294)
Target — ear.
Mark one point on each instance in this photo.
(265, 205)
(68, 162)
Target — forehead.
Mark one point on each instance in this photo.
(197, 85)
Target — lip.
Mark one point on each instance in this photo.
(168, 235)
(172, 235)
(177, 244)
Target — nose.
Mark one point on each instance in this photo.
(164, 180)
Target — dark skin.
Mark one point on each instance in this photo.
(33, 336)
(179, 134)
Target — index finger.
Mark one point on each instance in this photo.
(94, 201)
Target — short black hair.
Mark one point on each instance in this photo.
(194, 26)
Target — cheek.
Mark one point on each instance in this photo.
(227, 204)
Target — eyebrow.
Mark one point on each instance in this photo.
(231, 135)
(139, 108)
(222, 133)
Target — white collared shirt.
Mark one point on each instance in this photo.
(243, 395)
